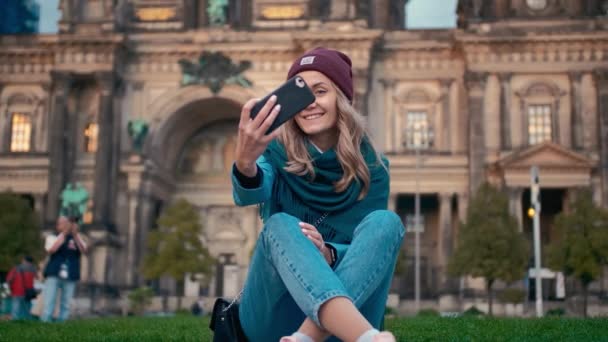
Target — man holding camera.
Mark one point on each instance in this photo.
(62, 271)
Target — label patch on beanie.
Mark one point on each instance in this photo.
(307, 60)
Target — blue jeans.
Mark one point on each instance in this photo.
(289, 279)
(20, 308)
(51, 285)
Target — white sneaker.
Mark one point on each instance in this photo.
(384, 336)
(288, 339)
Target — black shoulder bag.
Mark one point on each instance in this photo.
(225, 322)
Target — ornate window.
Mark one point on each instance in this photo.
(416, 117)
(90, 138)
(21, 132)
(417, 130)
(539, 108)
(539, 123)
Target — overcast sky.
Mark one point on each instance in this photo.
(49, 15)
(431, 14)
(420, 14)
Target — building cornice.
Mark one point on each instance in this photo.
(24, 58)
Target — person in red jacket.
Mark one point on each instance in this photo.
(21, 278)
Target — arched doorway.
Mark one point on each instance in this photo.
(195, 147)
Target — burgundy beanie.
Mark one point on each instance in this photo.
(332, 63)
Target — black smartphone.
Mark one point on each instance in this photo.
(293, 96)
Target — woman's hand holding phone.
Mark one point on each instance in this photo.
(252, 139)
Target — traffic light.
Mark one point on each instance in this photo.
(531, 211)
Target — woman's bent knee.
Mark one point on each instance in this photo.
(280, 223)
(384, 223)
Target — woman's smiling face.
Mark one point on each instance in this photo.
(319, 119)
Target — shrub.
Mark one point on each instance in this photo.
(140, 298)
(473, 311)
(512, 296)
(557, 312)
(428, 313)
(389, 311)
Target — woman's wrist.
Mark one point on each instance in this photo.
(330, 255)
(327, 255)
(246, 168)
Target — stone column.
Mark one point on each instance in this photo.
(342, 9)
(491, 117)
(446, 133)
(134, 173)
(380, 17)
(361, 96)
(190, 15)
(576, 105)
(103, 156)
(589, 110)
(39, 207)
(59, 170)
(40, 129)
(444, 238)
(567, 198)
(5, 125)
(505, 110)
(601, 78)
(596, 190)
(463, 205)
(515, 206)
(389, 116)
(144, 222)
(476, 85)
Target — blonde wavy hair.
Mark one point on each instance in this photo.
(351, 131)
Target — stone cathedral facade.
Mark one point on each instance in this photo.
(517, 83)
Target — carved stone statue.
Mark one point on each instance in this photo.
(216, 10)
(138, 130)
(214, 70)
(74, 200)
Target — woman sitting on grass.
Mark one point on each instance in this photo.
(324, 261)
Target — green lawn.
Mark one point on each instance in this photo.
(187, 328)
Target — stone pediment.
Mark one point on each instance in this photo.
(547, 155)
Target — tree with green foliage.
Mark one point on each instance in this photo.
(489, 243)
(19, 231)
(580, 248)
(175, 248)
(140, 298)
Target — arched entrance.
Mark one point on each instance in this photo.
(194, 148)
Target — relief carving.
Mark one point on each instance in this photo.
(225, 223)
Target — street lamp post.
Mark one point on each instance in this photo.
(417, 137)
(535, 204)
(417, 234)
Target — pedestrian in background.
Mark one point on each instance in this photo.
(21, 281)
(62, 271)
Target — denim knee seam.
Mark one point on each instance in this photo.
(290, 266)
